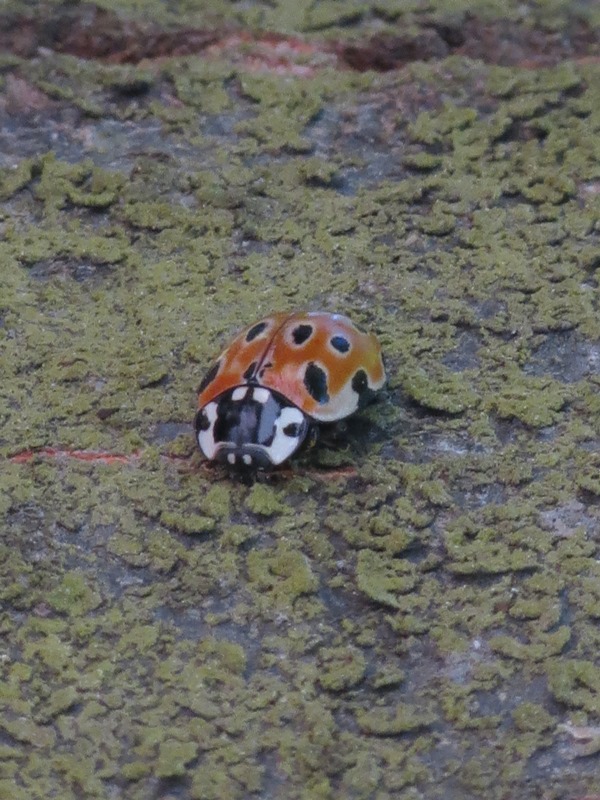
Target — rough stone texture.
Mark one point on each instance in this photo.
(409, 610)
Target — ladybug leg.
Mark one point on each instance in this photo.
(312, 437)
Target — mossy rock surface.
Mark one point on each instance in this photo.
(411, 608)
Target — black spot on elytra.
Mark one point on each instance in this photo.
(315, 380)
(340, 343)
(255, 331)
(360, 383)
(202, 421)
(302, 333)
(249, 374)
(293, 429)
(209, 377)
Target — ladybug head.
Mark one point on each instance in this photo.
(250, 427)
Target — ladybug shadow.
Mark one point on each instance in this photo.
(335, 448)
(353, 436)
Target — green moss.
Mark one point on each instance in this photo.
(15, 179)
(140, 638)
(237, 535)
(440, 391)
(460, 705)
(532, 717)
(393, 722)
(52, 651)
(423, 161)
(589, 477)
(283, 111)
(429, 127)
(474, 547)
(383, 578)
(135, 770)
(543, 646)
(191, 524)
(173, 757)
(61, 701)
(575, 683)
(285, 574)
(341, 668)
(217, 501)
(534, 401)
(263, 500)
(74, 596)
(211, 782)
(230, 656)
(439, 222)
(28, 732)
(129, 548)
(82, 184)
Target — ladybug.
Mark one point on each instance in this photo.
(278, 379)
